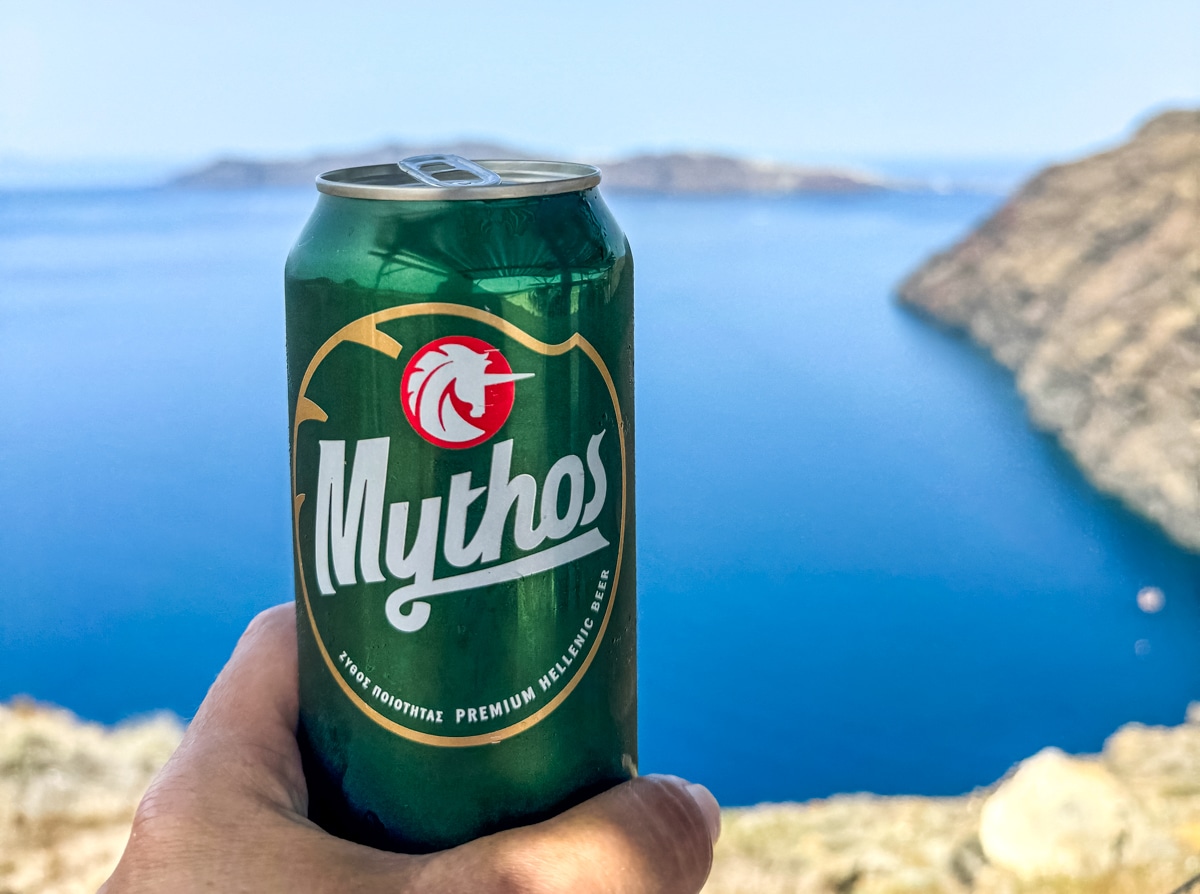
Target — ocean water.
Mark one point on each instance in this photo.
(860, 569)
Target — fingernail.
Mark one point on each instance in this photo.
(703, 798)
(708, 806)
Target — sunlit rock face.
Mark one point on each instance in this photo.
(1062, 816)
(1087, 284)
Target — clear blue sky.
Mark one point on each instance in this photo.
(798, 80)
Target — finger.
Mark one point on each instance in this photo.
(653, 835)
(243, 737)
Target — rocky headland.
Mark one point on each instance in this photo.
(1126, 821)
(1086, 284)
(677, 173)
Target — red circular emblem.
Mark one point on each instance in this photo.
(457, 391)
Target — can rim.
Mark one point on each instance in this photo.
(520, 178)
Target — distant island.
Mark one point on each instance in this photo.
(1087, 285)
(676, 173)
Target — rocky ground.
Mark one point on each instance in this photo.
(1126, 821)
(1087, 284)
(1122, 822)
(67, 795)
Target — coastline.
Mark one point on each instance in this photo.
(1084, 285)
(668, 173)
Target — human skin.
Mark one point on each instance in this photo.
(228, 813)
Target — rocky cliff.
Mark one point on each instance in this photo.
(668, 174)
(1126, 821)
(1087, 284)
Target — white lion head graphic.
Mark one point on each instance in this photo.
(458, 369)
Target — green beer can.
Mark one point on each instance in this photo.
(460, 377)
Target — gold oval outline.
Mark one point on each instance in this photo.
(363, 331)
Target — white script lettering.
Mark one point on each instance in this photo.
(341, 515)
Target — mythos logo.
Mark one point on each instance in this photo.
(466, 521)
(459, 499)
(458, 391)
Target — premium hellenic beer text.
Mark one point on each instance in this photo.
(460, 371)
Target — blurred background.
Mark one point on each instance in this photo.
(862, 567)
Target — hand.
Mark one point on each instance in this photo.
(229, 813)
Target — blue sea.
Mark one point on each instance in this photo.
(860, 568)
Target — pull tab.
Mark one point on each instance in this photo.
(417, 165)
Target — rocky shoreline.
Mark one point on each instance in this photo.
(1087, 285)
(1126, 821)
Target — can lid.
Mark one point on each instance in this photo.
(441, 178)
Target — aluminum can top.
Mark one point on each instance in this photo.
(441, 178)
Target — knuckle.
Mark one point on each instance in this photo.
(511, 873)
(489, 870)
(277, 616)
(167, 833)
(161, 816)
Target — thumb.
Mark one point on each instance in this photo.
(242, 740)
(652, 835)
